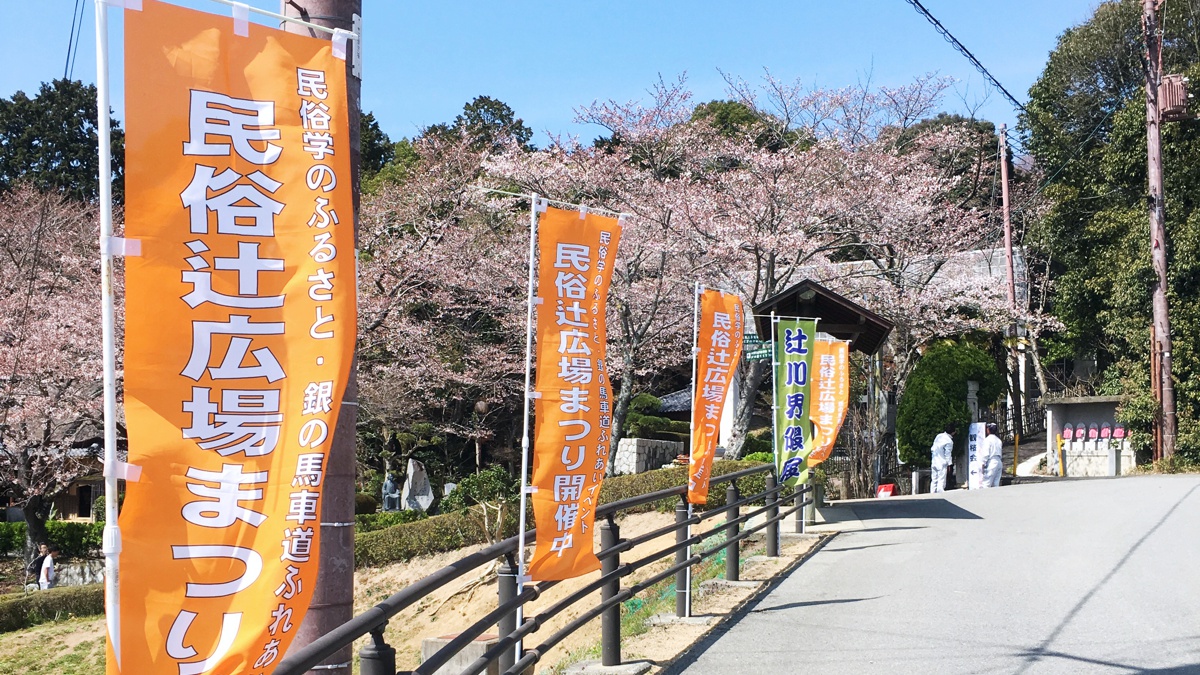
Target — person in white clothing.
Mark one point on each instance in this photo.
(990, 455)
(943, 457)
(47, 578)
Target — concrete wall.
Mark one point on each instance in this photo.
(636, 455)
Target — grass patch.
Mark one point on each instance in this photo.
(55, 649)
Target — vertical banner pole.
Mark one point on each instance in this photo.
(533, 211)
(112, 531)
(692, 431)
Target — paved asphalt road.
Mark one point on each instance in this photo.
(1083, 576)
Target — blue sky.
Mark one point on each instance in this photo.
(545, 58)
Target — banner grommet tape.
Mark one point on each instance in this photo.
(120, 247)
(241, 19)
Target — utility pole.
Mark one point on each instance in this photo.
(333, 598)
(1158, 236)
(1015, 370)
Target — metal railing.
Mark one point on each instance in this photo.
(379, 658)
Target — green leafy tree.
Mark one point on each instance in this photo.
(51, 139)
(488, 123)
(377, 149)
(936, 395)
(1085, 125)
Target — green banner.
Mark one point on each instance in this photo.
(793, 430)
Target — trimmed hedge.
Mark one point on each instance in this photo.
(369, 522)
(625, 487)
(22, 610)
(75, 539)
(436, 534)
(451, 531)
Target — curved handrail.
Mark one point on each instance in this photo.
(375, 619)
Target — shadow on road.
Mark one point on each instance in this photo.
(909, 509)
(809, 603)
(859, 548)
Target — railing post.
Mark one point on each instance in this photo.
(610, 620)
(682, 578)
(507, 590)
(772, 512)
(798, 515)
(377, 657)
(732, 562)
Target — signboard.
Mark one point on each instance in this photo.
(831, 361)
(793, 384)
(240, 327)
(573, 410)
(975, 434)
(718, 352)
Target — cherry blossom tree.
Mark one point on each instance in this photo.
(50, 349)
(635, 170)
(441, 300)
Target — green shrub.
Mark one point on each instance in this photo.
(642, 422)
(22, 610)
(765, 457)
(436, 534)
(492, 485)
(77, 540)
(369, 522)
(936, 394)
(12, 538)
(365, 503)
(759, 443)
(635, 485)
(98, 506)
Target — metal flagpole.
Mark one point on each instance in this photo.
(695, 352)
(112, 531)
(533, 211)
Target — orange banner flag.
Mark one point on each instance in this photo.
(831, 359)
(240, 328)
(573, 411)
(718, 352)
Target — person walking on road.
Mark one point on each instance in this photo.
(990, 456)
(943, 456)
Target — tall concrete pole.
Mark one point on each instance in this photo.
(1017, 397)
(1158, 235)
(333, 598)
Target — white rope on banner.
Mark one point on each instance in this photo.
(582, 208)
(288, 19)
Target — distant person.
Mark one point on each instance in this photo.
(48, 577)
(943, 456)
(34, 569)
(990, 456)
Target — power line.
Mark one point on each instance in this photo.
(964, 51)
(73, 42)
